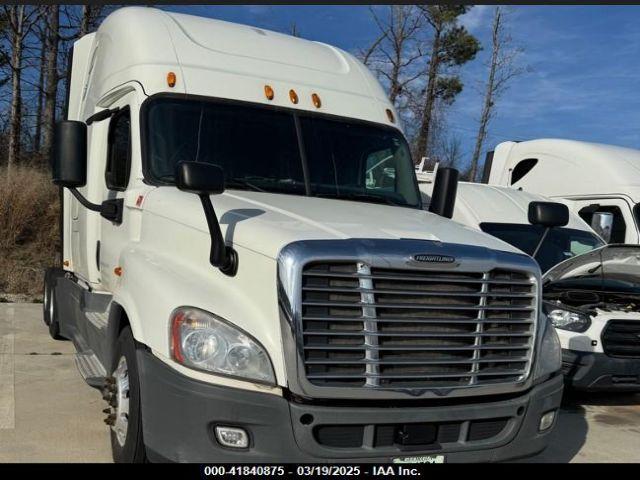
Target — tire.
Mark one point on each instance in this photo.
(49, 304)
(127, 447)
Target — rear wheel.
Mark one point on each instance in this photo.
(123, 395)
(49, 305)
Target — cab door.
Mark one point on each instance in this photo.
(117, 182)
(624, 229)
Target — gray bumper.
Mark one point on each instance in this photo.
(179, 415)
(600, 372)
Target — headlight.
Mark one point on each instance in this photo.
(567, 319)
(549, 358)
(202, 341)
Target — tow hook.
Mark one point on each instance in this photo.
(109, 395)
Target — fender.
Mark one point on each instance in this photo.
(154, 284)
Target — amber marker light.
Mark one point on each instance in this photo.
(117, 271)
(268, 92)
(171, 79)
(315, 98)
(293, 96)
(390, 116)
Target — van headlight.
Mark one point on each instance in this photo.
(549, 358)
(203, 341)
(567, 319)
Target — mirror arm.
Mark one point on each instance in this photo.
(542, 239)
(85, 203)
(109, 209)
(223, 257)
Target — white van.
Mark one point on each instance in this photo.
(591, 292)
(244, 288)
(590, 178)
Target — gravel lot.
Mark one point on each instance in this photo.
(48, 413)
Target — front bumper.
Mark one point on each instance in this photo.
(600, 372)
(179, 413)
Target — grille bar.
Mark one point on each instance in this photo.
(411, 278)
(417, 348)
(417, 362)
(423, 376)
(386, 328)
(331, 333)
(421, 307)
(418, 320)
(418, 293)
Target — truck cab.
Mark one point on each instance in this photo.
(244, 285)
(594, 180)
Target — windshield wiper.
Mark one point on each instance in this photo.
(240, 182)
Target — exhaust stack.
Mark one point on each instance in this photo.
(445, 188)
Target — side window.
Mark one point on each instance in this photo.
(522, 168)
(619, 229)
(119, 151)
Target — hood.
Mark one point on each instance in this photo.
(612, 269)
(266, 222)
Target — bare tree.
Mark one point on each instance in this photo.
(294, 31)
(397, 50)
(502, 67)
(20, 21)
(52, 78)
(451, 151)
(40, 88)
(451, 45)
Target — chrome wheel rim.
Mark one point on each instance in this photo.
(121, 422)
(49, 301)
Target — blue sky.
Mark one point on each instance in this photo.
(584, 79)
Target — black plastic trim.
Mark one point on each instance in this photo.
(117, 113)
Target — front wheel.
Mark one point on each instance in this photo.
(123, 395)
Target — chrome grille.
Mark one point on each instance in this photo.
(396, 328)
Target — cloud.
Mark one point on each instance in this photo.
(257, 10)
(476, 18)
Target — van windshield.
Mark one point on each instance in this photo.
(559, 245)
(280, 151)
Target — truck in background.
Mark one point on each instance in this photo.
(591, 292)
(249, 275)
(601, 183)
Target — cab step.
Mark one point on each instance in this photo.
(91, 368)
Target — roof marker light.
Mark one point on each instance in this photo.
(316, 100)
(293, 96)
(171, 79)
(268, 92)
(390, 116)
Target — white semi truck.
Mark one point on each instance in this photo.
(591, 291)
(599, 182)
(243, 290)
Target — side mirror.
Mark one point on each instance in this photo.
(548, 214)
(602, 224)
(70, 154)
(200, 178)
(204, 180)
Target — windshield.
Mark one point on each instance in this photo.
(559, 245)
(281, 151)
